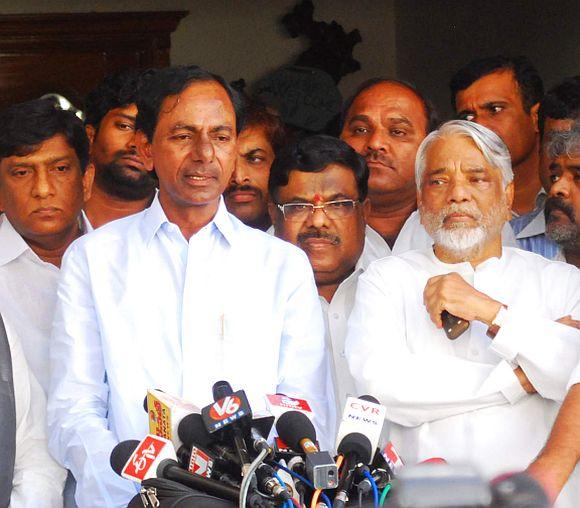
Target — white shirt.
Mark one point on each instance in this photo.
(336, 315)
(460, 399)
(38, 479)
(414, 236)
(575, 377)
(140, 307)
(28, 296)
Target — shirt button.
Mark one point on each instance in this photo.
(335, 315)
(475, 352)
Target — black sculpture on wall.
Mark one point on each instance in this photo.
(330, 46)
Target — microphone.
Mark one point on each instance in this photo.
(154, 457)
(192, 432)
(231, 410)
(165, 412)
(518, 490)
(296, 429)
(357, 451)
(453, 326)
(364, 415)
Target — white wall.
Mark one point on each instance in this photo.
(243, 38)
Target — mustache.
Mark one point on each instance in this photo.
(469, 209)
(557, 203)
(378, 156)
(317, 233)
(243, 188)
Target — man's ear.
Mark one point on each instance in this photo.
(88, 179)
(509, 196)
(534, 112)
(91, 131)
(273, 212)
(144, 150)
(366, 209)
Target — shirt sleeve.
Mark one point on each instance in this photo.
(415, 387)
(38, 479)
(303, 362)
(77, 408)
(546, 351)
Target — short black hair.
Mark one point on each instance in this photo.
(172, 81)
(561, 102)
(311, 155)
(430, 111)
(257, 115)
(26, 125)
(526, 75)
(116, 91)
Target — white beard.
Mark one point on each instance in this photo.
(461, 240)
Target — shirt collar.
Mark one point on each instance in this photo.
(537, 226)
(154, 217)
(13, 245)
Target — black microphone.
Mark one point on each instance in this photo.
(518, 490)
(298, 432)
(230, 413)
(170, 470)
(357, 451)
(192, 432)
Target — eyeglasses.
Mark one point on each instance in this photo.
(334, 210)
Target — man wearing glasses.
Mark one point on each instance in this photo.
(318, 190)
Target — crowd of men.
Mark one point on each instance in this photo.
(181, 235)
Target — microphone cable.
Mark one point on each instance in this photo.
(306, 482)
(245, 487)
(370, 478)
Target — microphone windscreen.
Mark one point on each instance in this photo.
(191, 431)
(518, 490)
(293, 427)
(221, 389)
(357, 443)
(121, 453)
(370, 398)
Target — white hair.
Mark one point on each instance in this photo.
(489, 143)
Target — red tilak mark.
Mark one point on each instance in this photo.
(317, 197)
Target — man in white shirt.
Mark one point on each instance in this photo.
(29, 477)
(319, 191)
(45, 179)
(488, 397)
(178, 296)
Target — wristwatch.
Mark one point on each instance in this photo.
(497, 322)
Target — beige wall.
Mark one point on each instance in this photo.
(242, 38)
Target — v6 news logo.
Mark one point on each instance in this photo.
(225, 411)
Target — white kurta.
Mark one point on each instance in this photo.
(460, 399)
(38, 479)
(336, 315)
(140, 307)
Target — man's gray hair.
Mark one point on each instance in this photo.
(563, 143)
(489, 143)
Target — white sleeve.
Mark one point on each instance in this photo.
(416, 388)
(78, 400)
(546, 351)
(38, 479)
(303, 360)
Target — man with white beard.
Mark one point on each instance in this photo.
(488, 397)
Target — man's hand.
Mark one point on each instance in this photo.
(452, 293)
(569, 321)
(524, 381)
